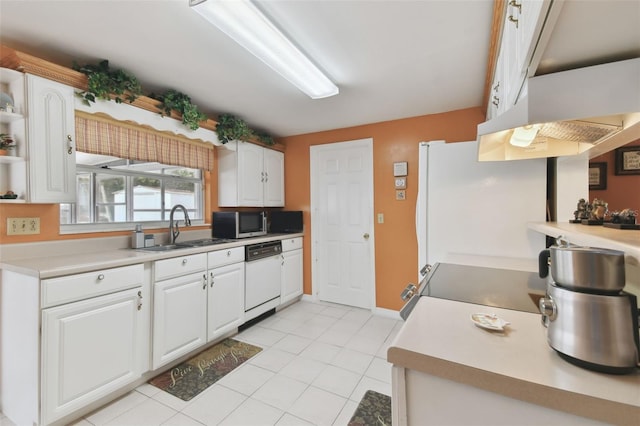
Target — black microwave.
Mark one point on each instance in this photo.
(286, 222)
(238, 224)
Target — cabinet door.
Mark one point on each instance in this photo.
(89, 349)
(179, 317)
(291, 275)
(52, 167)
(496, 104)
(250, 175)
(226, 299)
(273, 178)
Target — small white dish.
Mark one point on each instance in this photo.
(489, 321)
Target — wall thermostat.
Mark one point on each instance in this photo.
(400, 169)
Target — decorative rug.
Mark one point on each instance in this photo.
(191, 377)
(374, 410)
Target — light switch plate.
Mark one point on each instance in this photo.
(23, 225)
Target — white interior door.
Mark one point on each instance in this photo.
(342, 225)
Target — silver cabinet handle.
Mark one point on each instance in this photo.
(514, 20)
(204, 281)
(515, 4)
(366, 236)
(184, 261)
(140, 300)
(211, 284)
(100, 277)
(228, 253)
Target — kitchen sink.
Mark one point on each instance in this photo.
(187, 244)
(166, 247)
(203, 242)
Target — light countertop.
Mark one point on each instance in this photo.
(53, 259)
(440, 339)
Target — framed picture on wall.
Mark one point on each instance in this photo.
(628, 160)
(597, 176)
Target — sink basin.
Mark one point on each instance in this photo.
(203, 242)
(186, 244)
(163, 248)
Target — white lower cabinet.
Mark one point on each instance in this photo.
(179, 307)
(204, 303)
(90, 348)
(292, 274)
(69, 341)
(179, 317)
(226, 292)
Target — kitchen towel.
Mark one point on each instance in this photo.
(374, 409)
(191, 377)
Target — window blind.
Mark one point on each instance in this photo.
(101, 134)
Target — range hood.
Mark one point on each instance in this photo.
(594, 108)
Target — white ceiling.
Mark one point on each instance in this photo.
(391, 59)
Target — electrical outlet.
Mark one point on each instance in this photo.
(23, 225)
(380, 217)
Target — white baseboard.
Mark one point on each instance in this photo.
(383, 312)
(387, 313)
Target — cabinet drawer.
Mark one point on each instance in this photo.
(225, 257)
(178, 266)
(292, 244)
(56, 291)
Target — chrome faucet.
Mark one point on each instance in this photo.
(173, 233)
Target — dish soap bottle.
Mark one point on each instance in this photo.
(137, 237)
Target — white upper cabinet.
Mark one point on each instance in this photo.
(522, 26)
(250, 176)
(273, 178)
(496, 101)
(51, 141)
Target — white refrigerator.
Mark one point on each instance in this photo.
(476, 213)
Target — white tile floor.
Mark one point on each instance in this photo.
(317, 362)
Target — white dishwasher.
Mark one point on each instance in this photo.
(262, 278)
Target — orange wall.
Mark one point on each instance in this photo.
(622, 191)
(396, 250)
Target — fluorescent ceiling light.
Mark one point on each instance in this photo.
(243, 22)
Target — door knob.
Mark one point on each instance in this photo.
(366, 236)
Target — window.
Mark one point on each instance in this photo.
(111, 192)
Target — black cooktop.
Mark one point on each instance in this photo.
(501, 288)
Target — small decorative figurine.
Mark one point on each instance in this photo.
(599, 209)
(581, 210)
